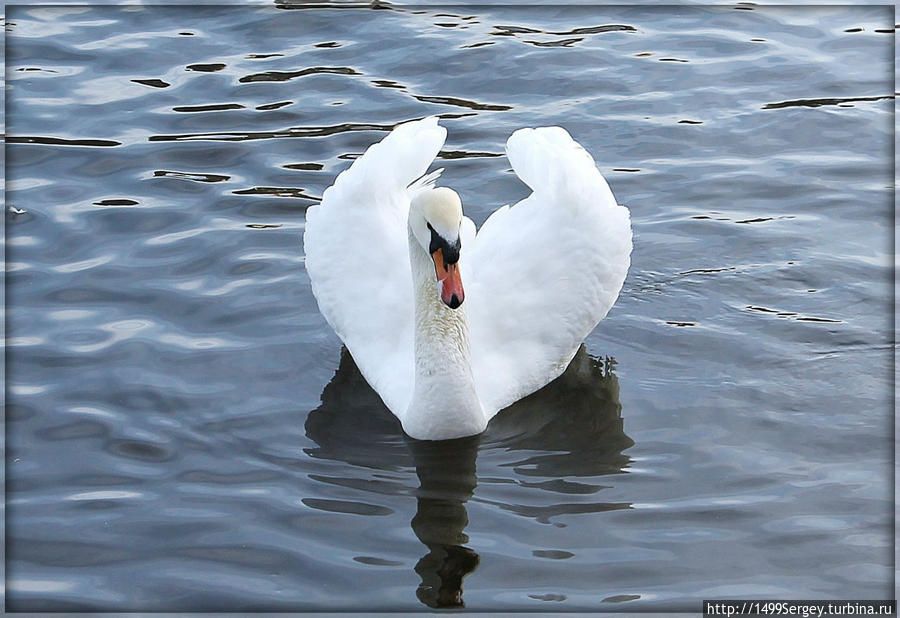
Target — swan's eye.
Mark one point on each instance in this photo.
(450, 252)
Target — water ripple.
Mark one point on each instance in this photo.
(283, 76)
(184, 432)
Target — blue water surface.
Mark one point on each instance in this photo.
(184, 432)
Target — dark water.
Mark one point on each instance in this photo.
(183, 433)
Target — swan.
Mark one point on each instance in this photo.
(449, 326)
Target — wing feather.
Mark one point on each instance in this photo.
(357, 255)
(546, 271)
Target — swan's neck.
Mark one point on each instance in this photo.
(444, 404)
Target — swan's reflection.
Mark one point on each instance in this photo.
(446, 472)
(574, 423)
(571, 427)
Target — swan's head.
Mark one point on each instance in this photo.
(434, 218)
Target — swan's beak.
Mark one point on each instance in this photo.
(449, 283)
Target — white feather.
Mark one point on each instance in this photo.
(538, 276)
(545, 271)
(357, 256)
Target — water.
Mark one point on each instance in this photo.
(184, 434)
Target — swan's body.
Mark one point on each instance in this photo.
(388, 262)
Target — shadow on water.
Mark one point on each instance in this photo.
(571, 427)
(446, 472)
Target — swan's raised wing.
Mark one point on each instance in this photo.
(544, 272)
(357, 256)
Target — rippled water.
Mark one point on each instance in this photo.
(184, 433)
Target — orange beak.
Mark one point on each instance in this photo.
(449, 283)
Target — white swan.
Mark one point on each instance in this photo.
(446, 326)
